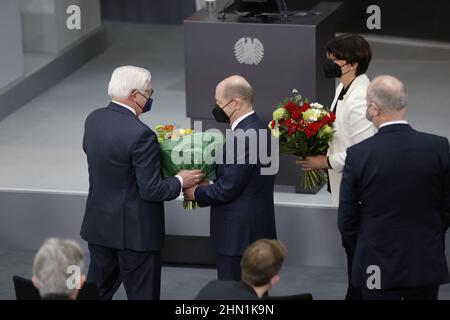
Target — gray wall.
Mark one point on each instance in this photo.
(148, 11)
(11, 53)
(44, 23)
(28, 218)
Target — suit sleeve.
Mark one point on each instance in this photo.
(446, 197)
(146, 157)
(228, 186)
(359, 129)
(348, 212)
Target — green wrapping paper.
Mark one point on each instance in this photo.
(191, 152)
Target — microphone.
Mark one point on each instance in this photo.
(221, 14)
(286, 14)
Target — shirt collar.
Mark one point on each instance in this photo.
(125, 106)
(238, 120)
(389, 123)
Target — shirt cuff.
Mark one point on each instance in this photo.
(193, 192)
(180, 179)
(329, 164)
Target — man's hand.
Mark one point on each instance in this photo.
(311, 163)
(189, 193)
(190, 177)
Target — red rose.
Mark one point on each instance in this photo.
(272, 124)
(312, 129)
(290, 106)
(305, 107)
(295, 113)
(333, 117)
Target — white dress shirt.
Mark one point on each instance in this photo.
(238, 120)
(393, 122)
(125, 106)
(132, 110)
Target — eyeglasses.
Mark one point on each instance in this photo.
(151, 92)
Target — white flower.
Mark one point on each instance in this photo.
(316, 105)
(276, 132)
(312, 114)
(294, 91)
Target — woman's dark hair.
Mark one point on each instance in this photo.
(351, 48)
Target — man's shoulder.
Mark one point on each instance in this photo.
(378, 140)
(128, 121)
(225, 289)
(430, 137)
(363, 145)
(214, 289)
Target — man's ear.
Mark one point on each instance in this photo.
(82, 280)
(377, 109)
(133, 94)
(274, 280)
(238, 103)
(35, 282)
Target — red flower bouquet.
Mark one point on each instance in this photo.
(303, 129)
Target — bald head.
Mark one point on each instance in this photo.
(236, 87)
(388, 93)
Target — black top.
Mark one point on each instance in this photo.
(227, 290)
(342, 95)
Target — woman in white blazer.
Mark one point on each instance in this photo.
(348, 59)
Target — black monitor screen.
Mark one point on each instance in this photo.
(257, 6)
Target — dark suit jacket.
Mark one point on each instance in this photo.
(227, 290)
(395, 207)
(125, 207)
(241, 200)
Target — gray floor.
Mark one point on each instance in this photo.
(184, 283)
(180, 283)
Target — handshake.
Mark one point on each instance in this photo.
(191, 179)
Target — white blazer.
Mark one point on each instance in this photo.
(351, 127)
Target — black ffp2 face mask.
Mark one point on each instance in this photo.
(220, 115)
(332, 69)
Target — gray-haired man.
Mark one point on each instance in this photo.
(57, 269)
(395, 203)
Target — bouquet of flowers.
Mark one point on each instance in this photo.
(303, 129)
(184, 149)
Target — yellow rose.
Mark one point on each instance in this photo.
(280, 113)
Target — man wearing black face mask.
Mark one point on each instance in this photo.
(241, 199)
(124, 217)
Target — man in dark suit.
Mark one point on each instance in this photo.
(241, 197)
(261, 265)
(124, 218)
(395, 202)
